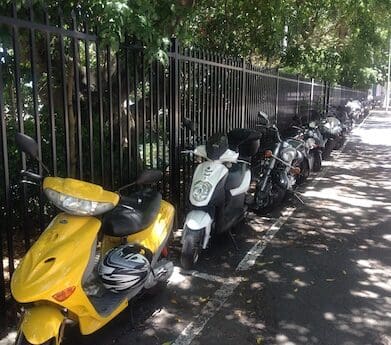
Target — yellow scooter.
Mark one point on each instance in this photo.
(62, 278)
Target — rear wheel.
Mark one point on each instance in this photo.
(190, 250)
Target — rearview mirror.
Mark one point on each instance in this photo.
(149, 176)
(263, 118)
(27, 144)
(189, 124)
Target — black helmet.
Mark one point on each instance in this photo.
(124, 267)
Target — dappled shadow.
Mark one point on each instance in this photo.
(326, 276)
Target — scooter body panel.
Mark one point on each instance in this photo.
(209, 172)
(57, 260)
(198, 220)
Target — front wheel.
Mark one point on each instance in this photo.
(317, 161)
(21, 340)
(190, 250)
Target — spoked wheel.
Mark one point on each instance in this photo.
(272, 196)
(190, 250)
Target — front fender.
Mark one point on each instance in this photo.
(198, 220)
(41, 323)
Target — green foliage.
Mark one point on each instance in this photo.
(148, 22)
(339, 41)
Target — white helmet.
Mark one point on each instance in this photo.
(124, 267)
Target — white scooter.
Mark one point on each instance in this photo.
(218, 189)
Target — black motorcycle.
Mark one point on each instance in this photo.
(278, 166)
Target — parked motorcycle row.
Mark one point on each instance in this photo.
(106, 248)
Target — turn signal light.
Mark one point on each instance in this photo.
(64, 294)
(295, 171)
(268, 153)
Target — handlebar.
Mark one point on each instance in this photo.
(31, 175)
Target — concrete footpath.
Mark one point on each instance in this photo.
(325, 278)
(312, 274)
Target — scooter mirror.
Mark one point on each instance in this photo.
(27, 144)
(149, 176)
(263, 118)
(189, 124)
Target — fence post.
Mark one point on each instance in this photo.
(174, 124)
(276, 105)
(244, 83)
(298, 94)
(310, 108)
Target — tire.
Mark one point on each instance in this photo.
(275, 195)
(190, 250)
(317, 161)
(305, 172)
(21, 340)
(327, 149)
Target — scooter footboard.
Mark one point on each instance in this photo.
(41, 323)
(198, 220)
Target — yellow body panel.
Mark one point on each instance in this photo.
(153, 236)
(57, 260)
(80, 189)
(41, 323)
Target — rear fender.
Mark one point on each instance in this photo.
(41, 323)
(198, 220)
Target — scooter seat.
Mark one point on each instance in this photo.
(133, 214)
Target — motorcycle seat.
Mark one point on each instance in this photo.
(133, 213)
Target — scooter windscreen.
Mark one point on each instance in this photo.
(216, 145)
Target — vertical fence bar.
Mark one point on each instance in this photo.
(77, 97)
(50, 99)
(89, 107)
(65, 101)
(157, 112)
(100, 106)
(135, 56)
(174, 123)
(37, 119)
(243, 98)
(111, 116)
(128, 115)
(119, 118)
(277, 96)
(17, 64)
(6, 188)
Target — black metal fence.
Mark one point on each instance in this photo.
(102, 115)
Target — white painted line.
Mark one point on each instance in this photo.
(210, 309)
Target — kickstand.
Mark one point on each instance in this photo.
(296, 194)
(233, 240)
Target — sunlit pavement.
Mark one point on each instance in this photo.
(325, 278)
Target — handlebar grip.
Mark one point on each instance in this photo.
(31, 175)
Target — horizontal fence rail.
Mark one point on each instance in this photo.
(103, 116)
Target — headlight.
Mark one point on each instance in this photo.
(310, 143)
(76, 206)
(201, 190)
(288, 154)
